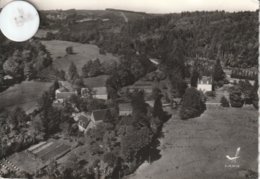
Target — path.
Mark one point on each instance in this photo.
(124, 16)
(197, 148)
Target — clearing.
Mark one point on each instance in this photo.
(24, 95)
(197, 148)
(82, 54)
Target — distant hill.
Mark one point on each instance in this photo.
(209, 35)
(121, 10)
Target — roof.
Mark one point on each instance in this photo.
(155, 61)
(62, 89)
(83, 121)
(100, 90)
(125, 107)
(100, 115)
(8, 77)
(205, 80)
(64, 95)
(66, 85)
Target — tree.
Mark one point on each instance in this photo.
(157, 109)
(53, 88)
(194, 78)
(193, 104)
(42, 59)
(218, 73)
(86, 68)
(138, 103)
(69, 50)
(246, 89)
(50, 120)
(72, 72)
(254, 95)
(28, 70)
(78, 84)
(45, 102)
(235, 98)
(96, 68)
(224, 101)
(13, 68)
(137, 69)
(133, 141)
(17, 118)
(2, 83)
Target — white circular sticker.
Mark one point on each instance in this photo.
(19, 21)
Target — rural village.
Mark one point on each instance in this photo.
(106, 94)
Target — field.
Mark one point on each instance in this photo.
(24, 95)
(98, 81)
(197, 148)
(82, 54)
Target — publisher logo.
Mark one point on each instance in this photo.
(232, 161)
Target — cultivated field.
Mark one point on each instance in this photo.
(24, 95)
(197, 148)
(83, 53)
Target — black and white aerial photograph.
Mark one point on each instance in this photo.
(129, 89)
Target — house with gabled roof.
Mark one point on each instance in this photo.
(205, 84)
(87, 121)
(64, 92)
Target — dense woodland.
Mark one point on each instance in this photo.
(210, 35)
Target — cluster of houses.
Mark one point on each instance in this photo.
(87, 121)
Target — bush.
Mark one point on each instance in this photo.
(193, 104)
(187, 113)
(224, 102)
(236, 99)
(211, 94)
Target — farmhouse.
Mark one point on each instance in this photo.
(100, 93)
(62, 96)
(125, 109)
(205, 84)
(88, 121)
(64, 92)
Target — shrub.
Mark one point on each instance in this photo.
(235, 98)
(69, 50)
(211, 94)
(193, 104)
(224, 102)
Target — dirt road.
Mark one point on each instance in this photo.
(197, 148)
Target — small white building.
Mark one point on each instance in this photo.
(205, 84)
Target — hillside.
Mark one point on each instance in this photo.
(24, 95)
(209, 35)
(197, 148)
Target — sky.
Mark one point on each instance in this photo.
(149, 6)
